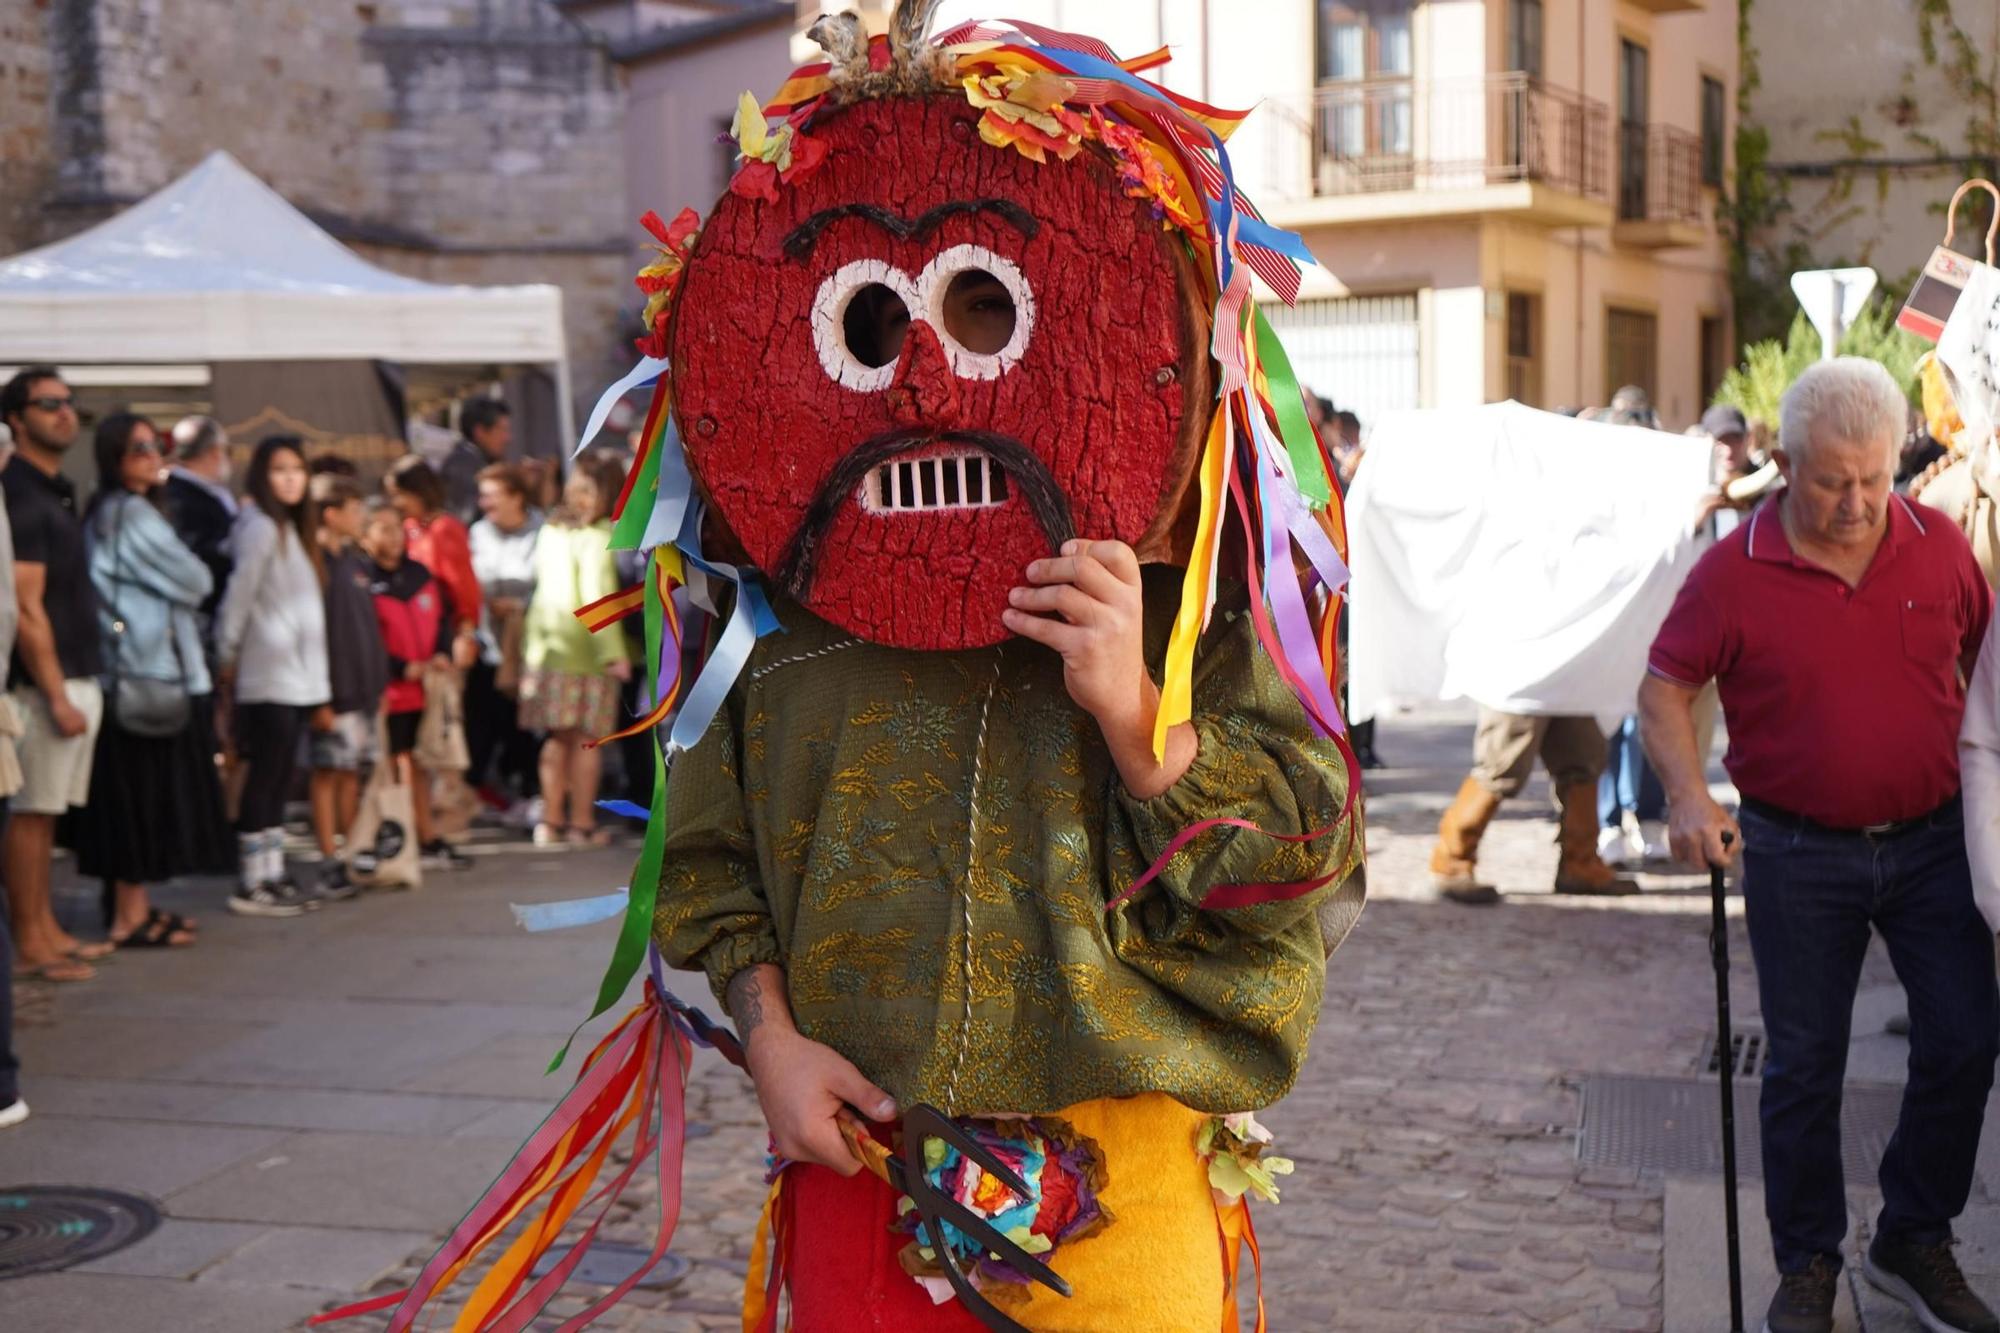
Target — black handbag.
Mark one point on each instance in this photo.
(142, 705)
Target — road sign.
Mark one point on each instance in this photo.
(1833, 299)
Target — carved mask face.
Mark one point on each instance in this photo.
(928, 363)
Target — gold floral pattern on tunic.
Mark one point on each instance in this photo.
(824, 824)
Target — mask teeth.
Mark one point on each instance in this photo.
(939, 482)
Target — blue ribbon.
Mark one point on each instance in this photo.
(649, 369)
(570, 913)
(675, 495)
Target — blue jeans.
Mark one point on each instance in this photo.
(1628, 781)
(1812, 897)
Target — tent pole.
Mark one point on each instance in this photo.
(565, 409)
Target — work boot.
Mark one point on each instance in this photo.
(1804, 1300)
(1453, 872)
(1927, 1279)
(1581, 870)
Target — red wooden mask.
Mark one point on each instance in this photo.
(928, 363)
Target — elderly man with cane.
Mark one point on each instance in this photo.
(1840, 624)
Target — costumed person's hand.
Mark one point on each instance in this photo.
(1088, 604)
(1695, 831)
(802, 1086)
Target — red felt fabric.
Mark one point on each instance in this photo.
(1098, 394)
(845, 1276)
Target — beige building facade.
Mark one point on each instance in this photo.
(1871, 132)
(1507, 198)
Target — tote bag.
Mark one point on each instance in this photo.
(382, 851)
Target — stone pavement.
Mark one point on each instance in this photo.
(315, 1102)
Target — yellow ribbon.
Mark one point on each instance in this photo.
(1177, 687)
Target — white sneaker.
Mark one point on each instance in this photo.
(1635, 840)
(13, 1113)
(1612, 847)
(1653, 836)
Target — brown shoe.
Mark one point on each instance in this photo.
(1454, 873)
(1580, 870)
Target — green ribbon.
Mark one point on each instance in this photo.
(1308, 466)
(629, 532)
(637, 930)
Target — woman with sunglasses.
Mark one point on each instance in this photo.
(155, 808)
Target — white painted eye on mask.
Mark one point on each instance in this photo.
(982, 308)
(859, 320)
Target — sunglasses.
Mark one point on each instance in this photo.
(143, 447)
(51, 404)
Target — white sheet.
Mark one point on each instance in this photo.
(1516, 558)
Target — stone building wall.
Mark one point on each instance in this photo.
(27, 142)
(459, 140)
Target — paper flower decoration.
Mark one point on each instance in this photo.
(1065, 1170)
(769, 156)
(1140, 170)
(1024, 110)
(1237, 1164)
(661, 278)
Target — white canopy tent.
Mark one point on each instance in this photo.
(219, 267)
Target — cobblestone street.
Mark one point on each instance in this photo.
(314, 1105)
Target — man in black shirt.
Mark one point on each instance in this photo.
(55, 665)
(489, 434)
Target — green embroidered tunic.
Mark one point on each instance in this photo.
(926, 842)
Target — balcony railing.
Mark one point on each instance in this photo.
(1444, 134)
(1659, 174)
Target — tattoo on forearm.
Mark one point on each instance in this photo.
(746, 1002)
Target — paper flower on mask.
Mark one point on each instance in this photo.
(1141, 171)
(1024, 110)
(1237, 1163)
(661, 278)
(769, 156)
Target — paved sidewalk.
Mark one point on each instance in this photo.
(315, 1102)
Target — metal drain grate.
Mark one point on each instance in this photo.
(1747, 1052)
(1674, 1125)
(45, 1228)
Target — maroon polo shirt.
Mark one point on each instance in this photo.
(1843, 704)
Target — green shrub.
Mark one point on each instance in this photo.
(1769, 367)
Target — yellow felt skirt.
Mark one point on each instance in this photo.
(1159, 1266)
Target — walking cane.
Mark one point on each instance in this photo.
(1718, 948)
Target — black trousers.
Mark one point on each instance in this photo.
(500, 750)
(267, 738)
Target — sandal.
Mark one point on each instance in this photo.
(92, 953)
(156, 932)
(589, 835)
(175, 922)
(64, 971)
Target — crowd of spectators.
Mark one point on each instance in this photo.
(185, 657)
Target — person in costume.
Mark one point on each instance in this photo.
(893, 849)
(1035, 826)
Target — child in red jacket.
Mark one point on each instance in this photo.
(415, 613)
